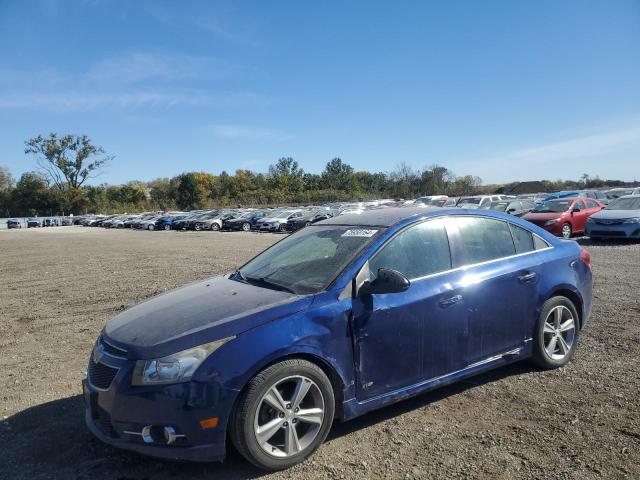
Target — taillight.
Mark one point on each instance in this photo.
(586, 258)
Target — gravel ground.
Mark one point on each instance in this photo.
(59, 286)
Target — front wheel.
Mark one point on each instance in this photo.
(215, 227)
(167, 227)
(151, 227)
(282, 227)
(566, 230)
(284, 414)
(556, 335)
(246, 227)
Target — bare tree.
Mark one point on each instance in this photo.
(69, 160)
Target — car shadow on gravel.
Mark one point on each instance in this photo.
(51, 441)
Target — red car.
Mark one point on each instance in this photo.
(564, 217)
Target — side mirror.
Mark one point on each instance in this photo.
(387, 281)
(575, 210)
(511, 210)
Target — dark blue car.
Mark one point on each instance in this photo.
(345, 316)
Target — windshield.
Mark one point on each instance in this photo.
(625, 204)
(470, 200)
(309, 260)
(553, 206)
(500, 206)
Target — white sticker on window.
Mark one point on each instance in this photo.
(359, 232)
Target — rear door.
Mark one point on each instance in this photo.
(498, 284)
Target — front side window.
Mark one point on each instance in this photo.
(580, 204)
(419, 250)
(591, 204)
(480, 239)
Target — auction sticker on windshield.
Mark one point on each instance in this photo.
(359, 232)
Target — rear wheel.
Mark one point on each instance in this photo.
(556, 335)
(151, 227)
(167, 227)
(197, 228)
(284, 414)
(246, 227)
(566, 230)
(282, 227)
(215, 227)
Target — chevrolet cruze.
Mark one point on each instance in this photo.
(345, 316)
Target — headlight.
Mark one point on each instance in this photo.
(632, 220)
(175, 368)
(551, 222)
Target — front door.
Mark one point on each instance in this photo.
(404, 338)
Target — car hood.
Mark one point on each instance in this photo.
(616, 214)
(198, 313)
(539, 217)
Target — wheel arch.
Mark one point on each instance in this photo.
(575, 298)
(337, 381)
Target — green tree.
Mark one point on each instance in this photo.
(31, 196)
(68, 162)
(338, 175)
(286, 177)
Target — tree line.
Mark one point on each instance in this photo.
(66, 164)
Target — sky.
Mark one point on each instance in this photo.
(503, 90)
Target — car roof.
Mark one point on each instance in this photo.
(382, 217)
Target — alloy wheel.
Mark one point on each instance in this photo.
(566, 231)
(289, 416)
(246, 227)
(559, 332)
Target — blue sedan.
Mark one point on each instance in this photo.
(344, 317)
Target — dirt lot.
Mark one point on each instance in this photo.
(59, 286)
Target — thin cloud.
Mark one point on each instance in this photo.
(74, 100)
(138, 67)
(242, 132)
(580, 147)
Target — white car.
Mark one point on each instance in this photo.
(278, 222)
(478, 201)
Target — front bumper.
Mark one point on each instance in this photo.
(614, 230)
(118, 414)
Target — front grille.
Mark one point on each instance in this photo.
(111, 350)
(609, 222)
(607, 233)
(101, 375)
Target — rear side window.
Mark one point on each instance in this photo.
(591, 204)
(579, 204)
(419, 250)
(480, 240)
(522, 238)
(539, 243)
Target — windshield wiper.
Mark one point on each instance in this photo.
(237, 275)
(262, 281)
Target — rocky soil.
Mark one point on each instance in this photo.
(59, 286)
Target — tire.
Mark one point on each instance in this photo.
(197, 228)
(307, 224)
(215, 227)
(253, 412)
(151, 227)
(567, 231)
(167, 227)
(547, 352)
(246, 227)
(282, 227)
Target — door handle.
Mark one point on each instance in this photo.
(447, 302)
(528, 277)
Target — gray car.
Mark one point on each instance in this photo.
(620, 219)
